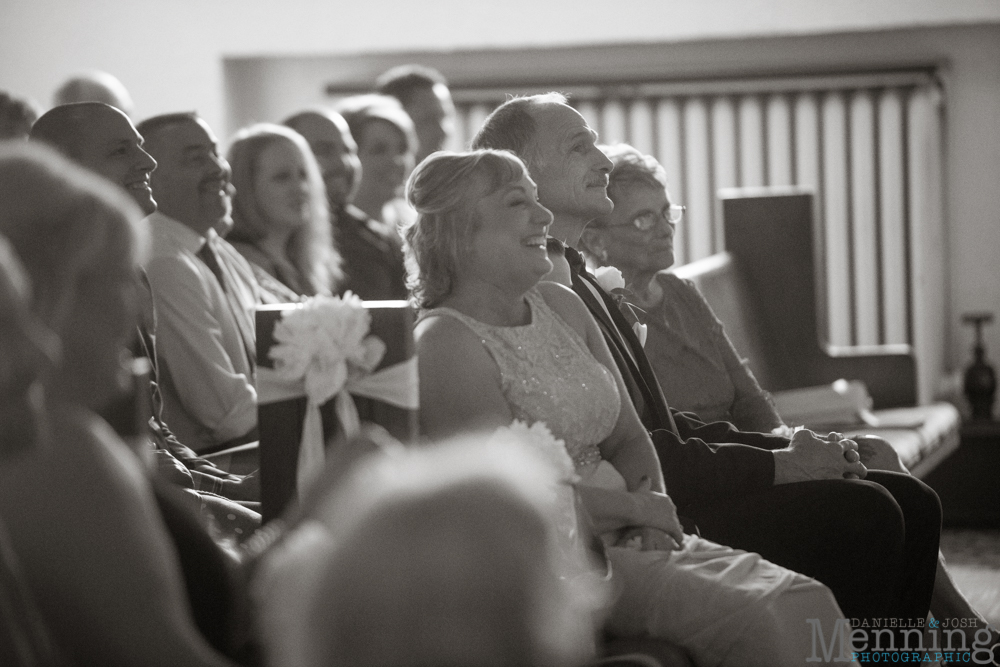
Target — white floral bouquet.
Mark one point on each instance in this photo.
(539, 439)
(325, 343)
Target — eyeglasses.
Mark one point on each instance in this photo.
(650, 219)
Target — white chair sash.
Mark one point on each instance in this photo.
(396, 385)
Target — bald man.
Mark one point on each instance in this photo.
(103, 139)
(372, 255)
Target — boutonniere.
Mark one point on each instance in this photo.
(610, 278)
(613, 282)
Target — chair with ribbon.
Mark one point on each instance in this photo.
(325, 366)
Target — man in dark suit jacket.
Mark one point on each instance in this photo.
(371, 252)
(873, 541)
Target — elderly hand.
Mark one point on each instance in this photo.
(809, 456)
(877, 454)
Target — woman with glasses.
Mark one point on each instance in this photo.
(698, 368)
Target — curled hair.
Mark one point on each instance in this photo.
(632, 167)
(511, 126)
(310, 248)
(443, 189)
(65, 224)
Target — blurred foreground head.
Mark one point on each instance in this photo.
(79, 240)
(444, 555)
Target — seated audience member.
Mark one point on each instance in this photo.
(386, 142)
(27, 352)
(16, 116)
(698, 368)
(81, 516)
(424, 94)
(696, 364)
(442, 555)
(281, 222)
(874, 542)
(371, 255)
(495, 344)
(205, 343)
(103, 139)
(94, 86)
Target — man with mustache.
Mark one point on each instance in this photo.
(372, 256)
(873, 542)
(204, 296)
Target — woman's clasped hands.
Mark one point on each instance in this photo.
(658, 528)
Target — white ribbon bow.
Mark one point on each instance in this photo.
(396, 385)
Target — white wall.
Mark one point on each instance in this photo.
(169, 54)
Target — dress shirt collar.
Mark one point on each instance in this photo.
(166, 227)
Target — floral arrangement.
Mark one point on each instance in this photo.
(325, 343)
(610, 279)
(539, 438)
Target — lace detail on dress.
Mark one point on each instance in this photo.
(549, 375)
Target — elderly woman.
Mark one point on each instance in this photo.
(387, 143)
(280, 218)
(495, 344)
(698, 368)
(77, 504)
(696, 364)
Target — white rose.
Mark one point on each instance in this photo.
(609, 278)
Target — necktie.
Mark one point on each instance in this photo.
(207, 255)
(211, 260)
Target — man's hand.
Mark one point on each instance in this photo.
(808, 457)
(657, 511)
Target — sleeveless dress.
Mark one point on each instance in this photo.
(724, 606)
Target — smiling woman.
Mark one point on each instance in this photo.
(280, 219)
(497, 345)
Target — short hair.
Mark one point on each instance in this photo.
(632, 167)
(511, 126)
(403, 81)
(442, 190)
(149, 128)
(310, 248)
(17, 115)
(65, 224)
(360, 110)
(334, 117)
(63, 127)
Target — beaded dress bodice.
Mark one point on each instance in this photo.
(548, 374)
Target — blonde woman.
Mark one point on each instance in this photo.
(280, 218)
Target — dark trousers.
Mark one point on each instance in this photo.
(873, 542)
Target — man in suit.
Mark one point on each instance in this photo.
(371, 253)
(872, 541)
